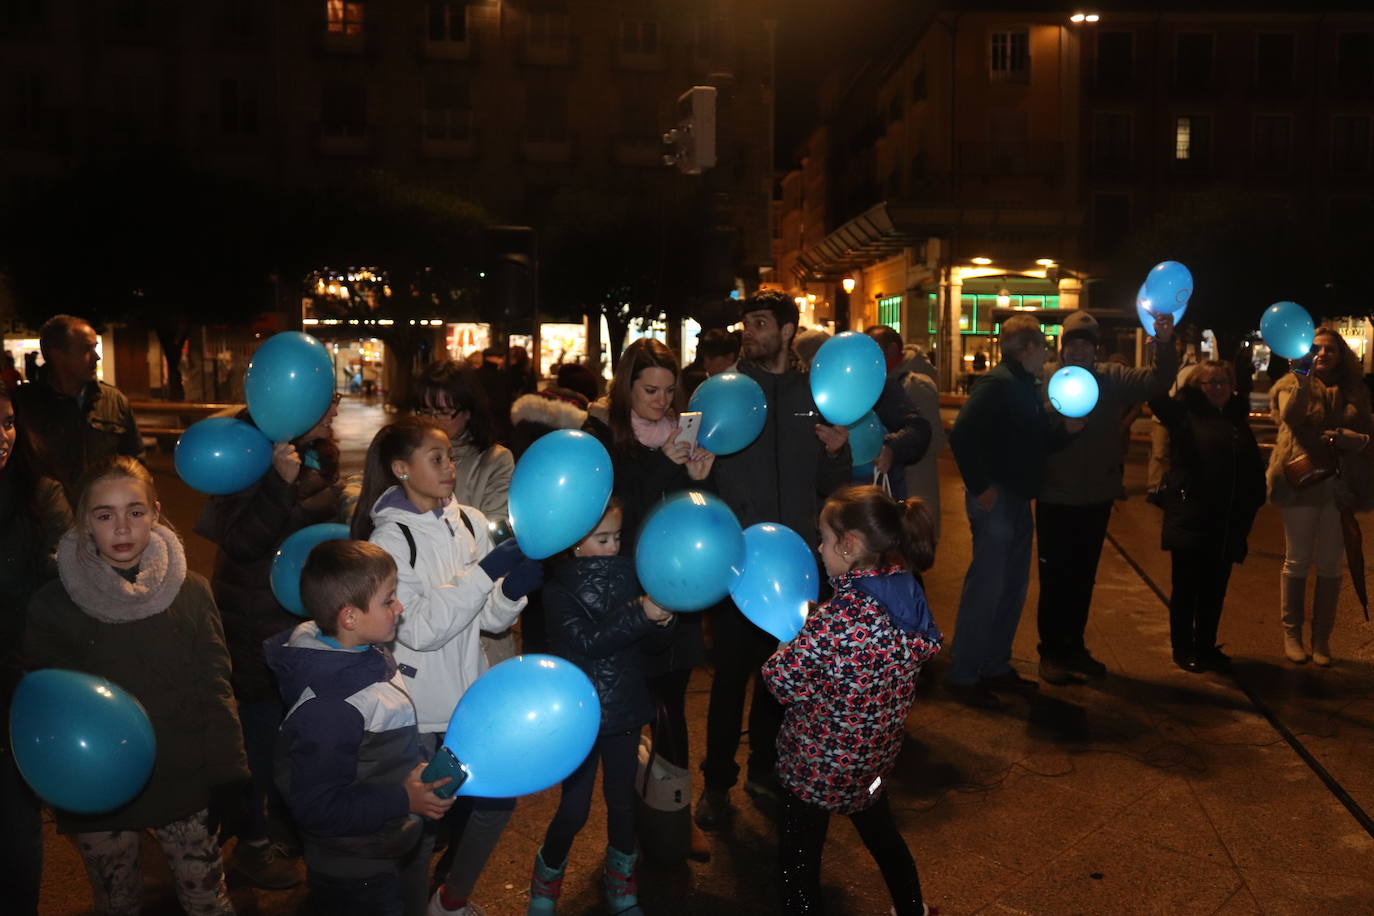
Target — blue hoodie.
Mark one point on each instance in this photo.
(905, 601)
(346, 746)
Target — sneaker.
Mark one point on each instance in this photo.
(1188, 663)
(976, 695)
(264, 865)
(437, 908)
(1011, 682)
(1082, 662)
(714, 809)
(1053, 671)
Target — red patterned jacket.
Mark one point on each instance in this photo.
(847, 681)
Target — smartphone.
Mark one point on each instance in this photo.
(445, 764)
(688, 423)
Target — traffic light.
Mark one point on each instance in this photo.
(693, 141)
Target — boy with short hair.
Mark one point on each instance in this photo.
(348, 760)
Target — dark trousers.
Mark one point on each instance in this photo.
(739, 653)
(670, 729)
(803, 837)
(1199, 590)
(379, 895)
(267, 814)
(21, 841)
(619, 755)
(1069, 543)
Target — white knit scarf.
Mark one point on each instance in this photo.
(107, 596)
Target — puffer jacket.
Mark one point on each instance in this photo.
(1300, 430)
(1216, 476)
(346, 747)
(248, 527)
(447, 599)
(596, 622)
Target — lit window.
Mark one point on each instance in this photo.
(344, 17)
(890, 312)
(1183, 139)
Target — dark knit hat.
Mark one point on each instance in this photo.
(1079, 326)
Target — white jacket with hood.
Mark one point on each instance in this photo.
(447, 600)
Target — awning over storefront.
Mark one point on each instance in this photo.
(1107, 318)
(884, 229)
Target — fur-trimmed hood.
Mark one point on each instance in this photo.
(544, 410)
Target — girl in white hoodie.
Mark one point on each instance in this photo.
(453, 585)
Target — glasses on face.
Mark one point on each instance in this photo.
(438, 413)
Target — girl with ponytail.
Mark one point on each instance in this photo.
(847, 682)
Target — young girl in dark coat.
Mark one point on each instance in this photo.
(1214, 488)
(127, 609)
(599, 620)
(847, 682)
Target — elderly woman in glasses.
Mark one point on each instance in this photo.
(1214, 487)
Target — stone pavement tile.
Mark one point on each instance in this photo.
(1171, 817)
(1293, 892)
(957, 880)
(1111, 872)
(1242, 903)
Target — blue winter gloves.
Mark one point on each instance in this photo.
(523, 579)
(522, 575)
(501, 559)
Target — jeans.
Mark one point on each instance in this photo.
(618, 755)
(802, 839)
(740, 651)
(1199, 590)
(994, 588)
(474, 826)
(21, 841)
(267, 814)
(1312, 533)
(379, 895)
(1069, 543)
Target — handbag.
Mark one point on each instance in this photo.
(1301, 471)
(663, 812)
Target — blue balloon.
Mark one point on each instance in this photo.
(222, 455)
(83, 743)
(559, 491)
(290, 560)
(779, 580)
(524, 726)
(289, 385)
(1287, 329)
(689, 552)
(733, 411)
(1165, 291)
(866, 438)
(847, 377)
(1073, 391)
(862, 473)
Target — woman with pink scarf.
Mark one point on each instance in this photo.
(637, 423)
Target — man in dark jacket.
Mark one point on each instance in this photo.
(70, 420)
(1081, 482)
(1001, 441)
(782, 477)
(908, 434)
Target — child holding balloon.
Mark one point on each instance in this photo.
(126, 609)
(600, 620)
(847, 682)
(349, 749)
(453, 584)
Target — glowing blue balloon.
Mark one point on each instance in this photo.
(83, 743)
(865, 438)
(524, 726)
(689, 551)
(290, 560)
(1165, 291)
(289, 385)
(779, 580)
(222, 455)
(1073, 391)
(1287, 329)
(733, 411)
(847, 375)
(559, 491)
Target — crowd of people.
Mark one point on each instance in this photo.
(308, 739)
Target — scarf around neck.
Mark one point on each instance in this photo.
(653, 434)
(99, 590)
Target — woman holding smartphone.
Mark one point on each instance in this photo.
(639, 425)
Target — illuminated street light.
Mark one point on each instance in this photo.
(847, 284)
(1078, 17)
(1046, 262)
(982, 262)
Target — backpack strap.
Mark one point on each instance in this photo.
(467, 522)
(410, 540)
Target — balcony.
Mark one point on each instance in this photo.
(1025, 159)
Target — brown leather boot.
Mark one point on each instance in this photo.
(1292, 596)
(1324, 600)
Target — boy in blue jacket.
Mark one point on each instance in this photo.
(348, 760)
